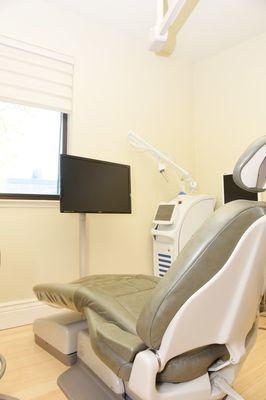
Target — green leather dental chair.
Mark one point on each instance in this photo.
(185, 336)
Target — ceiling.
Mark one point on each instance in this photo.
(214, 26)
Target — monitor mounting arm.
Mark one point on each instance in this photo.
(162, 159)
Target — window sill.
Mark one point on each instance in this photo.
(8, 203)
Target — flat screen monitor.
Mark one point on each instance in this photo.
(164, 213)
(93, 186)
(233, 192)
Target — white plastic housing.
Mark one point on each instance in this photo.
(191, 211)
(247, 174)
(61, 330)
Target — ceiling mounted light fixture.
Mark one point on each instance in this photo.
(169, 13)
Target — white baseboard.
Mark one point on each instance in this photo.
(23, 312)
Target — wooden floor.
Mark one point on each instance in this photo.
(32, 373)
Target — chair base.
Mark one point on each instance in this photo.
(58, 334)
(80, 383)
(90, 379)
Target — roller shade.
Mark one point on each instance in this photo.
(35, 76)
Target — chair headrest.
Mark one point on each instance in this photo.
(250, 170)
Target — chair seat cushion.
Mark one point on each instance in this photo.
(112, 305)
(118, 298)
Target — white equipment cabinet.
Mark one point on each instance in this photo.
(175, 223)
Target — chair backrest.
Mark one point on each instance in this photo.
(253, 159)
(206, 254)
(225, 309)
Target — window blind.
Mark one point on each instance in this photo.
(35, 76)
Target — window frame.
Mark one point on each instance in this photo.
(55, 197)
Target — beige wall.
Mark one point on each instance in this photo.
(37, 245)
(229, 109)
(118, 86)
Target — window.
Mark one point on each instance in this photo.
(31, 140)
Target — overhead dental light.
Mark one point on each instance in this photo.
(169, 13)
(185, 178)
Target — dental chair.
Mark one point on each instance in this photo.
(183, 337)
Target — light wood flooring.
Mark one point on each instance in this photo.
(32, 373)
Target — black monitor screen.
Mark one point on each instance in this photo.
(233, 192)
(93, 186)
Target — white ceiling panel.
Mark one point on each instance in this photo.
(214, 26)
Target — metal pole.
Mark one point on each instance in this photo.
(82, 245)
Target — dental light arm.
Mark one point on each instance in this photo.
(159, 33)
(162, 159)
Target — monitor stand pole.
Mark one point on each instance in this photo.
(82, 245)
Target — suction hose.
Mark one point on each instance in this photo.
(2, 366)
